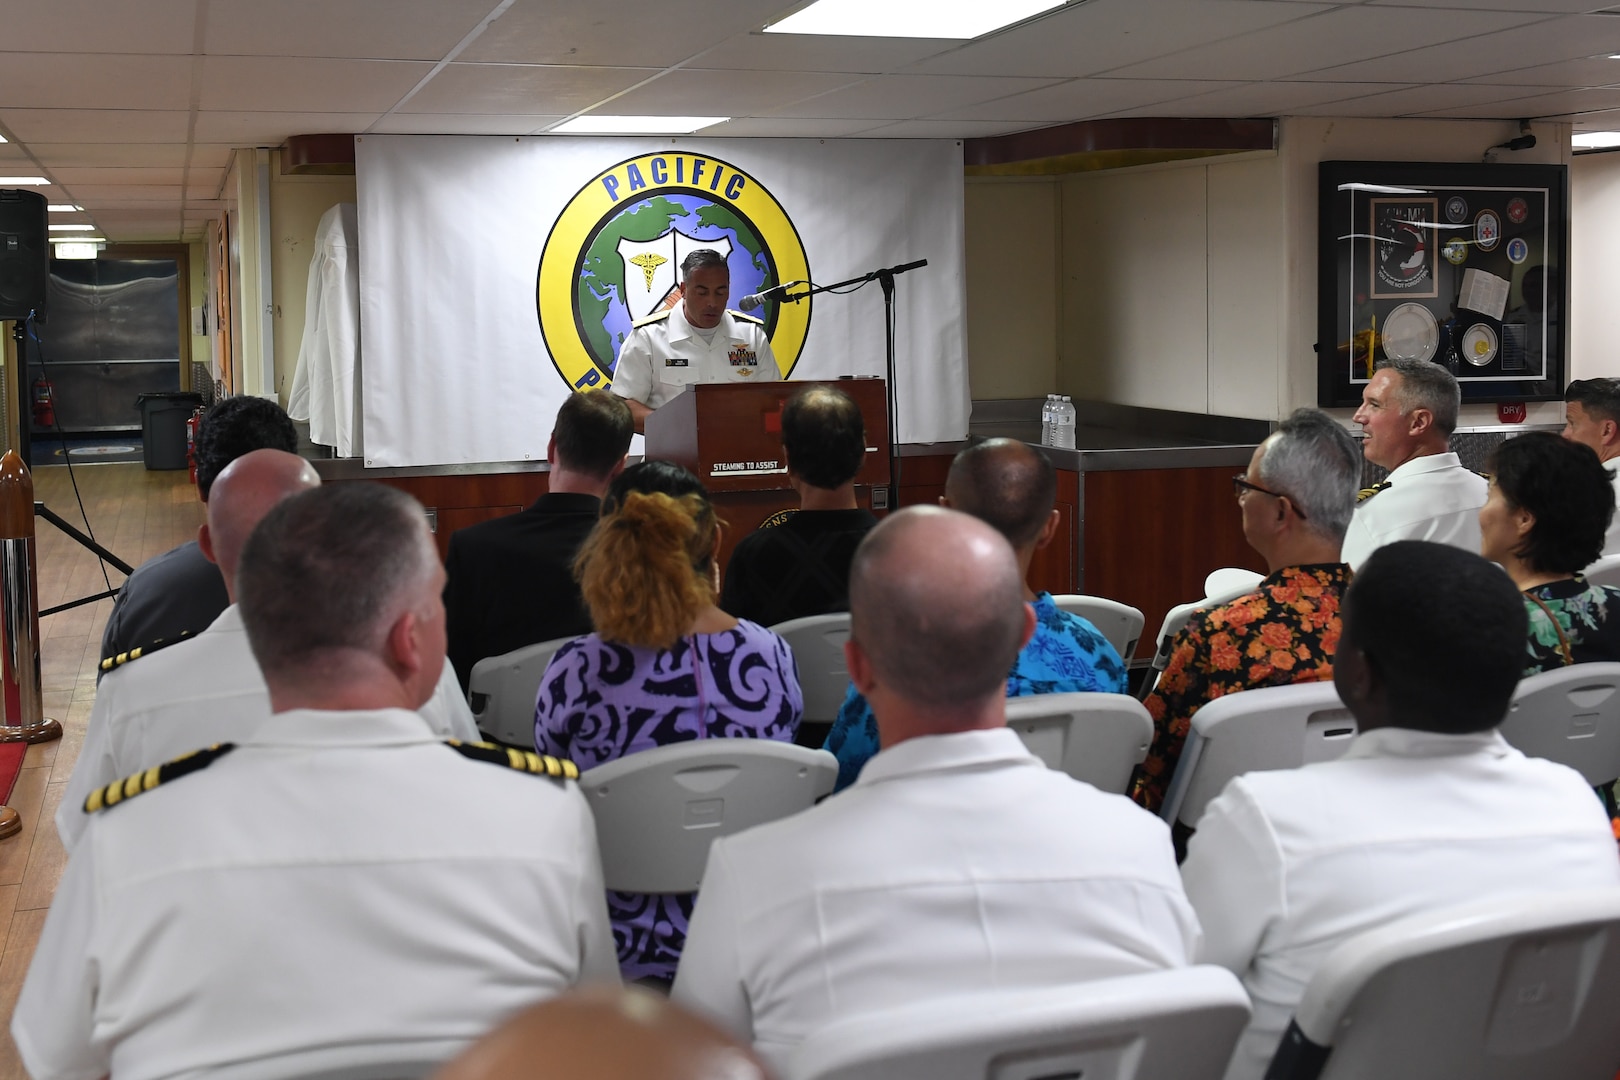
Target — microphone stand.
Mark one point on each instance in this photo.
(885, 278)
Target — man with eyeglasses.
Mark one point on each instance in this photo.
(1296, 499)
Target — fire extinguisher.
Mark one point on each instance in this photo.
(193, 422)
(44, 403)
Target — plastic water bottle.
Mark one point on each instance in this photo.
(1048, 419)
(1063, 424)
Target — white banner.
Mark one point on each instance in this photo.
(497, 273)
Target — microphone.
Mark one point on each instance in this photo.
(754, 300)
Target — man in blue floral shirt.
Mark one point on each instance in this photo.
(1013, 487)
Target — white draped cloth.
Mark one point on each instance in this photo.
(324, 387)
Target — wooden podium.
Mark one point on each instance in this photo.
(730, 435)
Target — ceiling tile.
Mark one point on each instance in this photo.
(13, 152)
(1107, 34)
(699, 92)
(1268, 98)
(1545, 105)
(405, 30)
(94, 196)
(1533, 7)
(1336, 37)
(128, 155)
(94, 81)
(808, 52)
(1586, 71)
(204, 156)
(95, 26)
(512, 88)
(95, 125)
(620, 33)
(784, 127)
(940, 129)
(273, 128)
(404, 123)
(904, 97)
(1422, 99)
(1481, 57)
(1599, 121)
(300, 84)
(76, 178)
(1082, 99)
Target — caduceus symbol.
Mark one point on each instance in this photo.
(649, 264)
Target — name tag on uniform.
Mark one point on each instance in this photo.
(741, 355)
(675, 361)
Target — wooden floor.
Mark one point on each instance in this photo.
(135, 514)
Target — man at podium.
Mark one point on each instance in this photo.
(694, 341)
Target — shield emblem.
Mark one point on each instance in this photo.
(652, 268)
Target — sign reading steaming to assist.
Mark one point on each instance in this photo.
(614, 255)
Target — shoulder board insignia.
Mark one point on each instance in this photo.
(120, 659)
(131, 786)
(1368, 492)
(740, 317)
(657, 316)
(513, 758)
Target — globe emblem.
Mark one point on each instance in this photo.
(631, 265)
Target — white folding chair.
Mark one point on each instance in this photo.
(1274, 727)
(1179, 1024)
(1606, 571)
(1120, 623)
(1098, 738)
(503, 690)
(1176, 617)
(1232, 581)
(657, 811)
(817, 642)
(1508, 988)
(1570, 715)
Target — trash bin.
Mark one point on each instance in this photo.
(163, 427)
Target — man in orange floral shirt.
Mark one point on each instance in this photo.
(1296, 500)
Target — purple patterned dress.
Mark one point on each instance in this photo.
(600, 701)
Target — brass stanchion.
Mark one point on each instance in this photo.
(24, 719)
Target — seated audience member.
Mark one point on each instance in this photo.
(1550, 504)
(957, 861)
(339, 886)
(511, 580)
(1429, 808)
(1295, 499)
(607, 1034)
(801, 566)
(1592, 417)
(207, 689)
(1408, 412)
(1011, 486)
(665, 665)
(181, 591)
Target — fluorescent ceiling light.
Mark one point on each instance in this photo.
(64, 208)
(75, 251)
(1596, 140)
(59, 240)
(24, 181)
(909, 18)
(636, 125)
(71, 228)
(3, 139)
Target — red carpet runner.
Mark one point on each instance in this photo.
(11, 759)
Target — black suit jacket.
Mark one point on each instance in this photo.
(511, 582)
(171, 594)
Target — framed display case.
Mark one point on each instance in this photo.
(1460, 264)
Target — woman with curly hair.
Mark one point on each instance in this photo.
(665, 665)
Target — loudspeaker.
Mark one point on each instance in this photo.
(24, 253)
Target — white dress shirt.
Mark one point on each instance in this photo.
(1287, 865)
(193, 694)
(659, 360)
(340, 888)
(324, 381)
(955, 863)
(1428, 498)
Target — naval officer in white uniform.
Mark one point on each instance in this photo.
(696, 341)
(342, 890)
(207, 689)
(1592, 418)
(1408, 412)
